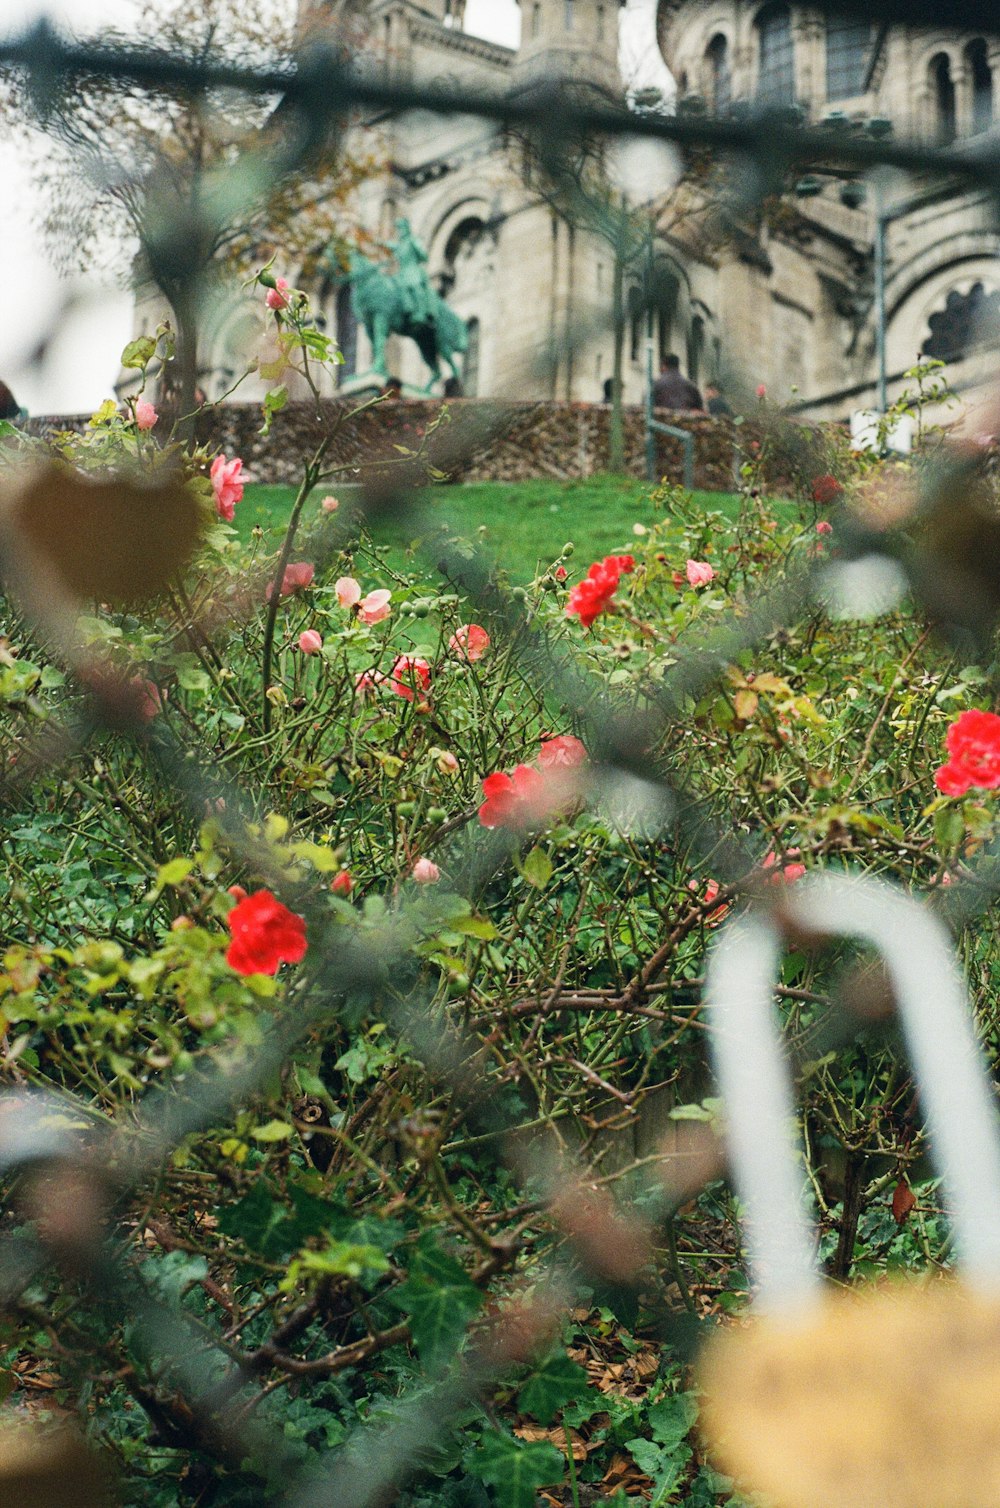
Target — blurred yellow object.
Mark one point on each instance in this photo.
(885, 1398)
(43, 1466)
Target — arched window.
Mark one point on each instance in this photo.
(776, 56)
(720, 74)
(981, 75)
(944, 96)
(470, 367)
(568, 14)
(968, 322)
(848, 53)
(636, 306)
(696, 348)
(347, 334)
(664, 295)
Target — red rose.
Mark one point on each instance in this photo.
(595, 593)
(973, 744)
(826, 489)
(265, 934)
(513, 800)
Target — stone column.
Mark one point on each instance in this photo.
(808, 34)
(993, 58)
(961, 77)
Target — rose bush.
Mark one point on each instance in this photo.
(295, 782)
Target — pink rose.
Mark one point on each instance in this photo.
(298, 575)
(762, 392)
(367, 681)
(470, 642)
(374, 607)
(425, 872)
(227, 486)
(277, 297)
(348, 591)
(560, 573)
(823, 527)
(330, 504)
(564, 752)
(310, 642)
(145, 415)
(447, 763)
(783, 872)
(410, 674)
(149, 699)
(699, 572)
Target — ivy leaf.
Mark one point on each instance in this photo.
(516, 1470)
(440, 1300)
(537, 868)
(556, 1381)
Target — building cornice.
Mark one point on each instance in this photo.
(460, 41)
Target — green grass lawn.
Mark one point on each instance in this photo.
(525, 523)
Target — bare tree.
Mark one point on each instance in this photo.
(183, 186)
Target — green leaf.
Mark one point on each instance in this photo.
(671, 1421)
(174, 872)
(647, 1456)
(537, 868)
(475, 926)
(274, 402)
(191, 679)
(139, 353)
(516, 1470)
(556, 1381)
(272, 1131)
(949, 827)
(440, 1300)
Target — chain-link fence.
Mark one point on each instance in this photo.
(83, 1182)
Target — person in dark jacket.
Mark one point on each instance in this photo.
(715, 403)
(672, 390)
(10, 409)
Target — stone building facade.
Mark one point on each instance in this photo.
(787, 302)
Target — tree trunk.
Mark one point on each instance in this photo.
(187, 363)
(616, 442)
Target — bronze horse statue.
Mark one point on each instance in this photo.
(383, 304)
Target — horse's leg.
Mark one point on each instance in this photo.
(380, 334)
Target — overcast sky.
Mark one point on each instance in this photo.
(82, 363)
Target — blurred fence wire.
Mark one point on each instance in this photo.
(73, 1172)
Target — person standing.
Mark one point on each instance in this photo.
(716, 403)
(672, 389)
(10, 409)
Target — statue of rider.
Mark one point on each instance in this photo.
(413, 281)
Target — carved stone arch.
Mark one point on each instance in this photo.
(685, 29)
(967, 246)
(704, 343)
(444, 217)
(459, 231)
(952, 279)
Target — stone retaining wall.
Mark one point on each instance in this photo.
(471, 441)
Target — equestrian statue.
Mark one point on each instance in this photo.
(405, 303)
